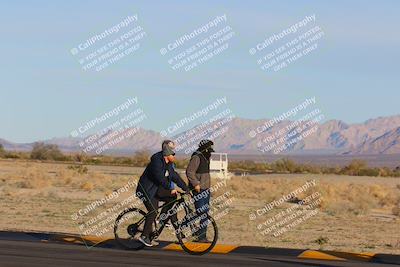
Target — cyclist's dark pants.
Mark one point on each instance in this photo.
(152, 208)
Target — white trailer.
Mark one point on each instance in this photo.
(219, 166)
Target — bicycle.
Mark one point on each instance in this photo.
(186, 229)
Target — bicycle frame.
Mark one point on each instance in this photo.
(183, 226)
(158, 230)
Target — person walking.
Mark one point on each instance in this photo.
(198, 174)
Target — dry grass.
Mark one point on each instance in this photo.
(356, 213)
(87, 186)
(338, 196)
(33, 178)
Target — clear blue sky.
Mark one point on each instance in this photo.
(44, 93)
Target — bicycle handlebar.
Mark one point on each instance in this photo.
(185, 193)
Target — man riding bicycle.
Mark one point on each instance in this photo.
(158, 183)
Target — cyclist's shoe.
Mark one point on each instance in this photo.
(146, 241)
(154, 243)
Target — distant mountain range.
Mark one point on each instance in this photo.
(375, 136)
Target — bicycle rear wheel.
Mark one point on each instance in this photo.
(188, 234)
(128, 227)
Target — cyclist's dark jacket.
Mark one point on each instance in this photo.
(154, 176)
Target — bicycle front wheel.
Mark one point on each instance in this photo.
(192, 232)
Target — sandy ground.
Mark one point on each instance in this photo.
(356, 214)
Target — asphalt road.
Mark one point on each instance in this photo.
(30, 253)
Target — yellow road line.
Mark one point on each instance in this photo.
(223, 249)
(317, 255)
(353, 256)
(95, 239)
(69, 239)
(80, 240)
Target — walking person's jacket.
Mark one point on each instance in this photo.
(198, 171)
(158, 173)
